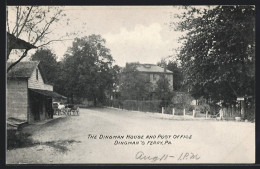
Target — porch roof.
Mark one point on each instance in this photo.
(48, 93)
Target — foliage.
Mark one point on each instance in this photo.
(163, 91)
(250, 114)
(137, 105)
(87, 69)
(33, 23)
(218, 51)
(133, 85)
(48, 64)
(182, 98)
(202, 108)
(177, 74)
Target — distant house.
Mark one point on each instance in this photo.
(153, 72)
(29, 98)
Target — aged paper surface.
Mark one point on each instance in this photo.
(112, 135)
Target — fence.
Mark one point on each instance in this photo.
(235, 111)
(149, 106)
(136, 105)
(230, 112)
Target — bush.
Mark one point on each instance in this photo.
(136, 105)
(250, 114)
(203, 108)
(113, 103)
(178, 108)
(182, 98)
(214, 109)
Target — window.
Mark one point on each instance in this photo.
(154, 77)
(37, 72)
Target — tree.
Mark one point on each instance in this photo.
(113, 87)
(163, 91)
(33, 23)
(48, 64)
(218, 51)
(177, 73)
(87, 70)
(133, 85)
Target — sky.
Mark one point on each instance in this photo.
(133, 33)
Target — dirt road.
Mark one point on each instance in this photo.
(118, 136)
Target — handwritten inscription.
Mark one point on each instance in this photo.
(141, 156)
(179, 157)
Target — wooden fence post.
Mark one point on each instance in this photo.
(162, 110)
(193, 113)
(173, 111)
(184, 113)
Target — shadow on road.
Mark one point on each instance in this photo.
(60, 145)
(17, 139)
(22, 138)
(36, 127)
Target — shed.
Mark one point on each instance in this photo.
(29, 98)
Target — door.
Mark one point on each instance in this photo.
(49, 107)
(36, 108)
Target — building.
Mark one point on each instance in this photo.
(154, 72)
(17, 43)
(150, 74)
(29, 98)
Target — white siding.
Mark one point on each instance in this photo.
(33, 83)
(154, 77)
(48, 87)
(170, 79)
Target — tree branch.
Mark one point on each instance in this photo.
(13, 64)
(25, 21)
(46, 27)
(16, 23)
(58, 40)
(232, 89)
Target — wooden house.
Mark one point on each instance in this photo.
(154, 72)
(29, 98)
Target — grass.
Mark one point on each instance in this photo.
(22, 138)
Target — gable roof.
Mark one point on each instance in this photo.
(17, 43)
(22, 69)
(151, 68)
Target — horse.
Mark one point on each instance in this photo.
(61, 109)
(72, 109)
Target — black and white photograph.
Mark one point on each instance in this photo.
(135, 84)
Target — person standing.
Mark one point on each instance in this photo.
(221, 113)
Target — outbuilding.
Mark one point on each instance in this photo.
(29, 97)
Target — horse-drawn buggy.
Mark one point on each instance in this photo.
(65, 109)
